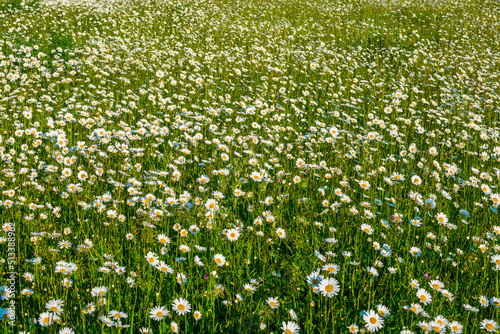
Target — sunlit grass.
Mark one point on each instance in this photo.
(236, 154)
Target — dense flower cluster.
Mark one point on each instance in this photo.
(232, 166)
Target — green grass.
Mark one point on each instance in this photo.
(182, 89)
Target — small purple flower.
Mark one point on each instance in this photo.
(205, 276)
(278, 179)
(392, 218)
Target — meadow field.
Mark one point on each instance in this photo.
(249, 166)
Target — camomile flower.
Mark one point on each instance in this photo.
(163, 239)
(219, 288)
(455, 327)
(281, 233)
(66, 172)
(489, 325)
(364, 184)
(164, 268)
(442, 218)
(383, 310)
(495, 301)
(89, 309)
(152, 258)
(353, 328)
(249, 288)
(82, 175)
(197, 315)
(181, 278)
(174, 327)
(424, 325)
(46, 319)
(273, 302)
(117, 315)
(181, 306)
(184, 248)
(331, 268)
(158, 313)
(372, 271)
(447, 294)
(329, 287)
(424, 296)
(290, 327)
(495, 259)
(484, 301)
(256, 176)
(55, 306)
(415, 251)
(197, 261)
(373, 321)
(99, 291)
(436, 327)
(441, 320)
(233, 234)
(66, 330)
(367, 229)
(220, 259)
(29, 277)
(416, 180)
(436, 285)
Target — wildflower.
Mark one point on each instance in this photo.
(424, 296)
(158, 313)
(489, 325)
(181, 306)
(373, 321)
(220, 259)
(329, 287)
(281, 233)
(273, 302)
(290, 327)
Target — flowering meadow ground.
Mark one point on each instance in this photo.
(249, 166)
